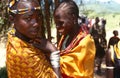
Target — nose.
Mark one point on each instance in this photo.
(57, 26)
(34, 22)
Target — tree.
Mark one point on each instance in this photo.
(3, 16)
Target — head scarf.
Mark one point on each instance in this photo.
(19, 11)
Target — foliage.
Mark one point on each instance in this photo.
(3, 16)
(87, 12)
(1, 21)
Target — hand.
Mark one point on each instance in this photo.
(44, 45)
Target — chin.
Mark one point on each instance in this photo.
(64, 33)
(33, 36)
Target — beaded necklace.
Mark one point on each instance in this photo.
(74, 42)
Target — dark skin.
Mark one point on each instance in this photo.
(109, 72)
(66, 24)
(27, 27)
(113, 40)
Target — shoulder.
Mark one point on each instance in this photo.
(87, 40)
(17, 44)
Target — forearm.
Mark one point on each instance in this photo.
(109, 65)
(55, 62)
(109, 73)
(57, 71)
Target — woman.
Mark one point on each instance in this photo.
(76, 45)
(23, 59)
(114, 39)
(100, 43)
(113, 61)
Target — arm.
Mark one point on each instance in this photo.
(109, 43)
(109, 65)
(55, 62)
(52, 53)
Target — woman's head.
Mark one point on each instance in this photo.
(66, 16)
(115, 32)
(26, 16)
(97, 20)
(104, 21)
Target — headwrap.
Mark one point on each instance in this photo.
(19, 11)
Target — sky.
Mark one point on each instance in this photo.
(118, 1)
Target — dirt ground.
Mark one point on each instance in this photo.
(3, 54)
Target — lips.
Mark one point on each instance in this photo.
(34, 31)
(60, 29)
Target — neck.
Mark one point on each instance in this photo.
(74, 31)
(21, 36)
(73, 34)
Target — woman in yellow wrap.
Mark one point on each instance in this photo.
(76, 45)
(113, 61)
(24, 59)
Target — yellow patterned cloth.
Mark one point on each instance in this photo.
(79, 63)
(115, 51)
(25, 61)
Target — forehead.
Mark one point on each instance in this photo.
(27, 4)
(30, 13)
(60, 14)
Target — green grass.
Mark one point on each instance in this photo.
(113, 21)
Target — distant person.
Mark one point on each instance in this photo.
(103, 35)
(84, 23)
(114, 39)
(113, 60)
(97, 32)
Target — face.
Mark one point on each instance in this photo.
(116, 33)
(64, 22)
(97, 20)
(28, 24)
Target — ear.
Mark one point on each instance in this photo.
(74, 17)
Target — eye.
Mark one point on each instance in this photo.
(28, 19)
(39, 16)
(60, 23)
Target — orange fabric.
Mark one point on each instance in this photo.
(26, 61)
(79, 61)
